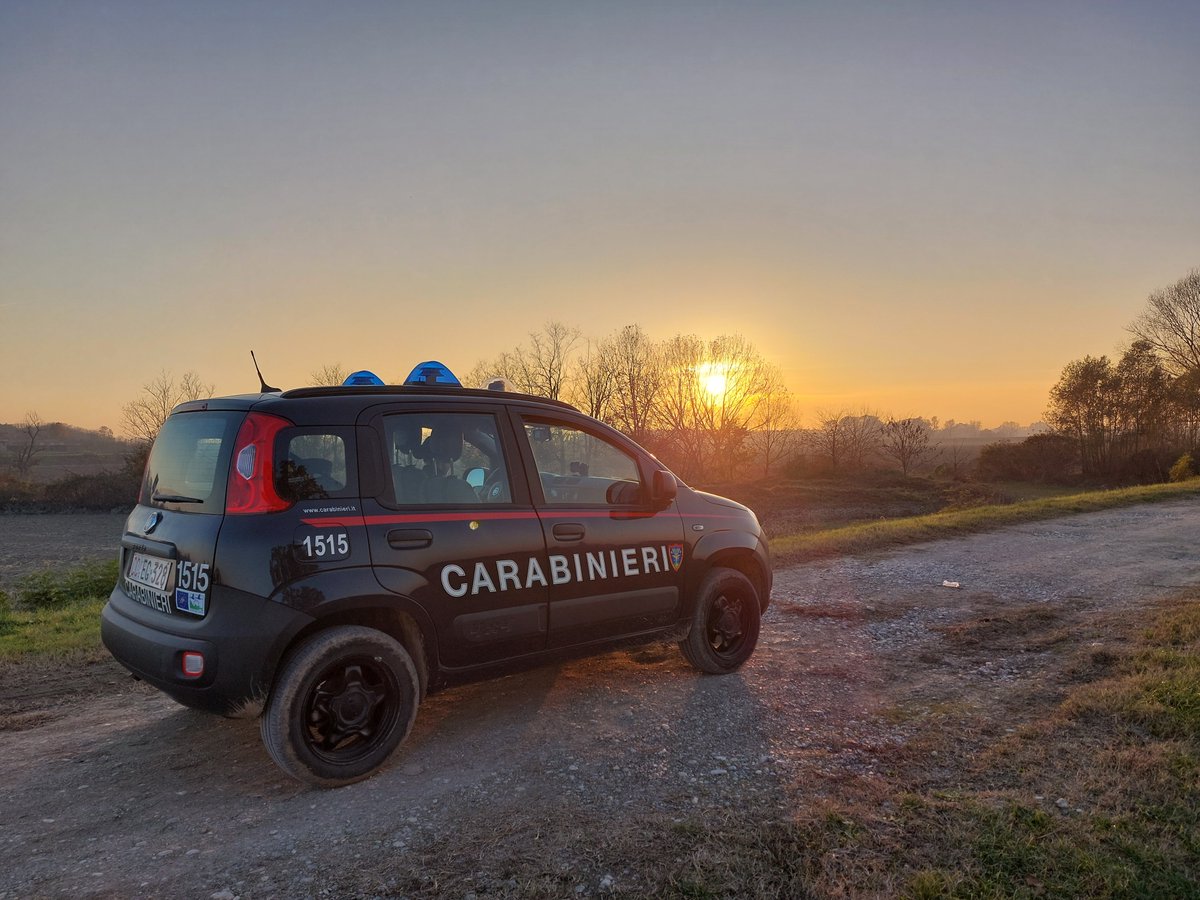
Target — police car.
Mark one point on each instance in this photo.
(325, 556)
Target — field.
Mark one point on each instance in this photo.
(57, 541)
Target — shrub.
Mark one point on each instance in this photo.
(105, 490)
(99, 491)
(1040, 457)
(52, 588)
(1147, 466)
(1183, 469)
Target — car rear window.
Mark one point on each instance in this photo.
(189, 463)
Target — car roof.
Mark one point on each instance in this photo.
(413, 391)
(346, 399)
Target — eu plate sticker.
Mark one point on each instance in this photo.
(189, 601)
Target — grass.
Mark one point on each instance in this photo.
(850, 539)
(1126, 749)
(55, 613)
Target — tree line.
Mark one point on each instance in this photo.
(1138, 418)
(716, 409)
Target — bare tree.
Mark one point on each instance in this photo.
(330, 375)
(541, 368)
(503, 366)
(1171, 323)
(906, 441)
(957, 455)
(678, 412)
(26, 455)
(863, 431)
(594, 380)
(774, 433)
(731, 390)
(846, 439)
(638, 379)
(708, 401)
(549, 358)
(143, 417)
(828, 438)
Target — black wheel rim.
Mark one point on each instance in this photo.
(351, 709)
(728, 623)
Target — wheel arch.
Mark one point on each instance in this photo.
(743, 552)
(406, 623)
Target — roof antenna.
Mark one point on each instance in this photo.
(262, 384)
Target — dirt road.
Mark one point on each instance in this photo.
(541, 783)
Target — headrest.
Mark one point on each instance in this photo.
(406, 436)
(444, 443)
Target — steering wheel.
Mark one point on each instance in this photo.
(495, 487)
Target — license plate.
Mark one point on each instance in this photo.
(150, 571)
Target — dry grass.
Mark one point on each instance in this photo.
(1022, 626)
(792, 548)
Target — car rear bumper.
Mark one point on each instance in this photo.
(250, 632)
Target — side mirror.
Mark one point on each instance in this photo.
(663, 487)
(622, 493)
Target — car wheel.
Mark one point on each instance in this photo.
(725, 623)
(343, 700)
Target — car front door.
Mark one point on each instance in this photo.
(614, 558)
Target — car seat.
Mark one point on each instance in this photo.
(408, 481)
(443, 447)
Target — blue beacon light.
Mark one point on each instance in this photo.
(362, 377)
(432, 372)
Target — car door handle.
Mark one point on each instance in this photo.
(568, 531)
(409, 538)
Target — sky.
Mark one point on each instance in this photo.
(922, 208)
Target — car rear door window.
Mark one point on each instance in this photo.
(439, 458)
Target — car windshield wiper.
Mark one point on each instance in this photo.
(174, 498)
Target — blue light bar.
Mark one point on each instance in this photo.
(432, 372)
(363, 377)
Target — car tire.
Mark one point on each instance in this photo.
(343, 700)
(725, 623)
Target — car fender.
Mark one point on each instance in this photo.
(740, 550)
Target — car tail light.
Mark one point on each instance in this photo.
(252, 479)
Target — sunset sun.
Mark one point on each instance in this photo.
(713, 379)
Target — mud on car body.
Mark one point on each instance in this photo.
(323, 557)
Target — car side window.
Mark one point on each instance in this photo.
(313, 465)
(578, 467)
(445, 459)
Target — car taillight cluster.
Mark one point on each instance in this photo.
(252, 480)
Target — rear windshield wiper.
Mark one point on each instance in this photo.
(174, 498)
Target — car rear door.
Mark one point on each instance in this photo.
(469, 554)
